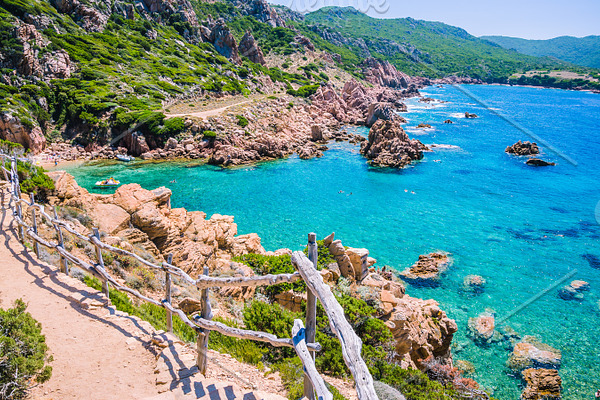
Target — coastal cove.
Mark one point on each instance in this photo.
(522, 228)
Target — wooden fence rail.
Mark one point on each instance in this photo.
(303, 339)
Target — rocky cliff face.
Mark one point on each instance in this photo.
(219, 34)
(390, 146)
(384, 74)
(249, 48)
(52, 65)
(14, 130)
(259, 9)
(92, 17)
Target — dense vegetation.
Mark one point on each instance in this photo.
(425, 48)
(581, 51)
(545, 80)
(23, 352)
(32, 178)
(123, 75)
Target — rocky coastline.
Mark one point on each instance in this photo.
(274, 127)
(143, 221)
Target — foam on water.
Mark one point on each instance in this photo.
(521, 228)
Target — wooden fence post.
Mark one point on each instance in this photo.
(202, 343)
(105, 285)
(64, 263)
(311, 313)
(36, 246)
(17, 194)
(168, 294)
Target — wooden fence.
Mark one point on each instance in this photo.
(303, 334)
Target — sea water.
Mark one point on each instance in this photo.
(526, 230)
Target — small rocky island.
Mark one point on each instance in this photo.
(537, 162)
(428, 269)
(523, 149)
(390, 146)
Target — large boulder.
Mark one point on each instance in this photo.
(249, 48)
(338, 251)
(360, 262)
(483, 328)
(110, 218)
(390, 146)
(421, 331)
(65, 186)
(28, 135)
(523, 149)
(224, 42)
(428, 269)
(537, 162)
(132, 197)
(379, 111)
(532, 353)
(542, 384)
(150, 220)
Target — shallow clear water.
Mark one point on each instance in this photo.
(521, 228)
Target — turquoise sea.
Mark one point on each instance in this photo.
(524, 229)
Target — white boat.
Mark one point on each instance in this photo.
(124, 158)
(110, 182)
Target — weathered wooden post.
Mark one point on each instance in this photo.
(105, 285)
(168, 293)
(311, 312)
(64, 263)
(36, 245)
(202, 342)
(17, 195)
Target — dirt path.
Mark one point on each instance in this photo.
(208, 113)
(101, 353)
(94, 356)
(216, 107)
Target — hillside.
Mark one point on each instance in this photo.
(416, 47)
(583, 51)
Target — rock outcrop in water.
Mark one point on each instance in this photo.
(473, 284)
(536, 162)
(428, 269)
(532, 353)
(390, 146)
(523, 149)
(574, 291)
(541, 384)
(483, 328)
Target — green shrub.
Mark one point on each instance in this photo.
(243, 350)
(304, 91)
(32, 178)
(266, 265)
(23, 352)
(209, 134)
(242, 121)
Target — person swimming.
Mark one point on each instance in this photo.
(173, 181)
